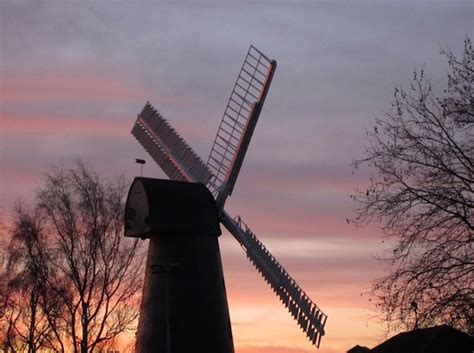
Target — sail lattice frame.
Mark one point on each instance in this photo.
(239, 121)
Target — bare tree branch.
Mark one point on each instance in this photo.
(421, 193)
(80, 277)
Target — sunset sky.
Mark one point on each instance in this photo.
(74, 75)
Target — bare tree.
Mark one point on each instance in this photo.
(24, 326)
(421, 193)
(90, 277)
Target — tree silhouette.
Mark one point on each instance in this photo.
(421, 192)
(72, 282)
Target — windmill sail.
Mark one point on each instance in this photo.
(180, 162)
(306, 313)
(177, 159)
(238, 122)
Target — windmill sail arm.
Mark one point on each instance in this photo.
(307, 314)
(244, 142)
(238, 122)
(169, 150)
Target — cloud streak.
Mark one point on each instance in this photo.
(70, 86)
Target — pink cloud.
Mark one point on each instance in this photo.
(72, 85)
(325, 177)
(15, 124)
(276, 217)
(332, 284)
(41, 125)
(342, 285)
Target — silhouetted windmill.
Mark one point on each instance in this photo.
(181, 163)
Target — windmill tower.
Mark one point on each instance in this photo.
(219, 174)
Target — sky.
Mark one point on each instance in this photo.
(74, 75)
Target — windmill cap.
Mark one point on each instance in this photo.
(158, 207)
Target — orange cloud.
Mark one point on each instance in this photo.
(333, 272)
(253, 324)
(269, 350)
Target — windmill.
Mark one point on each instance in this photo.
(180, 163)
